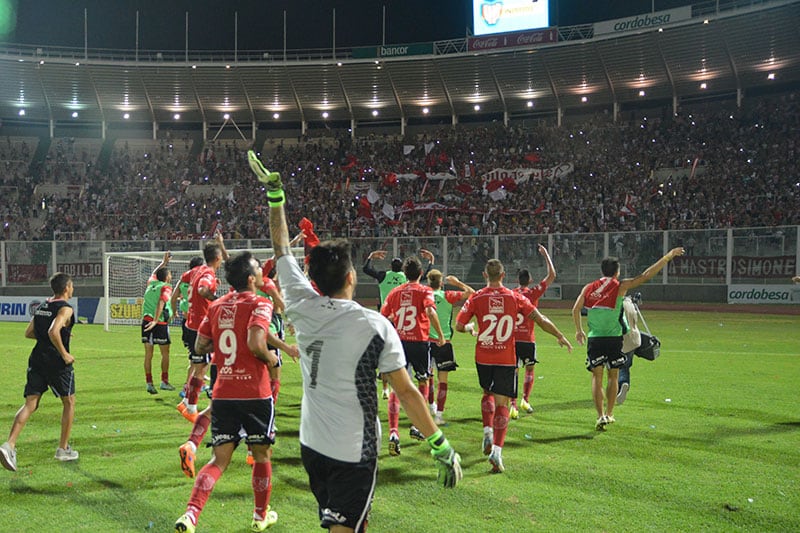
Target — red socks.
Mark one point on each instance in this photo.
(527, 387)
(487, 410)
(195, 386)
(394, 412)
(441, 396)
(199, 430)
(275, 384)
(203, 485)
(262, 487)
(500, 425)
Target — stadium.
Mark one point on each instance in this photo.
(627, 137)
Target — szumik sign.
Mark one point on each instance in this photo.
(641, 22)
(513, 39)
(763, 294)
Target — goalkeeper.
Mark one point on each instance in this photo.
(342, 344)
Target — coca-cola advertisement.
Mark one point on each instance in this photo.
(513, 39)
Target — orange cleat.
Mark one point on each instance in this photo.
(187, 452)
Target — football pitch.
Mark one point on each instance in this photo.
(706, 441)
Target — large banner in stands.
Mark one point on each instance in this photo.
(82, 270)
(21, 308)
(26, 273)
(779, 267)
(763, 294)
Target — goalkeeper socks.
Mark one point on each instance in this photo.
(441, 396)
(203, 485)
(500, 425)
(487, 409)
(527, 387)
(199, 430)
(262, 487)
(394, 411)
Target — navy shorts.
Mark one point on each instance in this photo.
(418, 355)
(444, 357)
(500, 380)
(604, 351)
(256, 417)
(157, 335)
(343, 490)
(526, 353)
(189, 337)
(61, 382)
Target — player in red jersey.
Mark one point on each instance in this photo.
(235, 328)
(202, 291)
(412, 309)
(496, 307)
(524, 336)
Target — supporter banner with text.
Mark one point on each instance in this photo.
(82, 270)
(521, 175)
(779, 267)
(26, 273)
(763, 294)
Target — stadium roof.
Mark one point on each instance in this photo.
(715, 52)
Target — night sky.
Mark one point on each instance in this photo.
(112, 23)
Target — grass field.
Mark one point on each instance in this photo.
(708, 440)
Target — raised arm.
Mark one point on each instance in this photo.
(652, 270)
(164, 262)
(221, 242)
(463, 287)
(551, 269)
(278, 229)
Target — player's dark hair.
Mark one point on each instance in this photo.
(211, 251)
(412, 268)
(397, 264)
(59, 281)
(238, 268)
(161, 273)
(494, 269)
(609, 266)
(328, 265)
(195, 261)
(524, 277)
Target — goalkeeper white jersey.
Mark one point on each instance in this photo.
(341, 345)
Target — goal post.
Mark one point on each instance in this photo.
(125, 276)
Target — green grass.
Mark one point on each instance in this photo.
(707, 441)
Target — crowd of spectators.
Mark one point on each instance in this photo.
(710, 165)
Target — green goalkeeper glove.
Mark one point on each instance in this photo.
(272, 180)
(446, 459)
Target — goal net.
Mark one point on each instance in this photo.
(125, 276)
